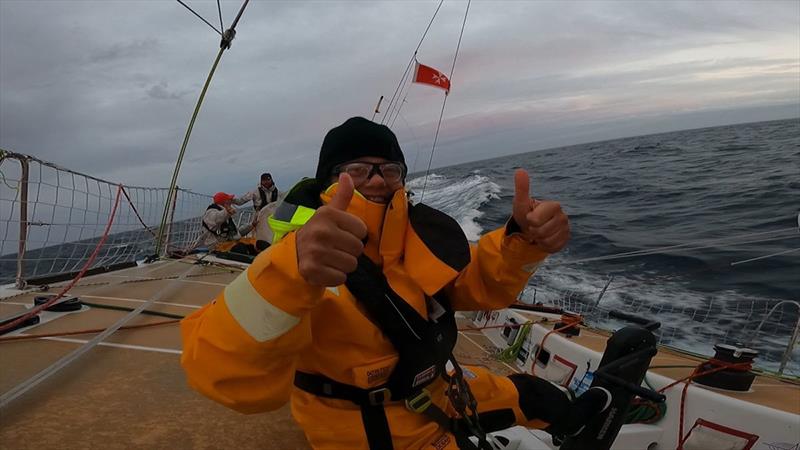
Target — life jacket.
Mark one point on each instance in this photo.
(273, 197)
(227, 228)
(424, 346)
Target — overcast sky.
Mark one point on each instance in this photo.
(108, 87)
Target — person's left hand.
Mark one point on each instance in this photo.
(541, 223)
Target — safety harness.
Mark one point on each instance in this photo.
(263, 195)
(226, 229)
(424, 346)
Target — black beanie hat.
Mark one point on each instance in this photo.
(353, 139)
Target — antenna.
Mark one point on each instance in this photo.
(377, 108)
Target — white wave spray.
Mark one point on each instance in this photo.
(460, 199)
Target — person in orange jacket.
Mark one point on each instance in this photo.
(350, 315)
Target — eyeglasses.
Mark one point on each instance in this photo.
(360, 172)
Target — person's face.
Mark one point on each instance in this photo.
(375, 178)
(266, 182)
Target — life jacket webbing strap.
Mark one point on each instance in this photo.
(216, 207)
(436, 414)
(323, 386)
(205, 225)
(263, 199)
(466, 406)
(373, 416)
(229, 223)
(376, 427)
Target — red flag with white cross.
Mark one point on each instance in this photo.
(432, 77)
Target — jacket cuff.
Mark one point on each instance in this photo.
(512, 227)
(274, 274)
(518, 251)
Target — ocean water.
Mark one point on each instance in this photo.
(722, 195)
(725, 194)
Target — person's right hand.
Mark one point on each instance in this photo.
(329, 244)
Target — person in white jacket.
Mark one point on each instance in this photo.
(264, 194)
(218, 226)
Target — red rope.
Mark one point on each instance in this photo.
(695, 374)
(736, 367)
(571, 320)
(36, 310)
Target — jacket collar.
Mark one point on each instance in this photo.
(386, 224)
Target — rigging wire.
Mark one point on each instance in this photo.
(239, 15)
(765, 256)
(399, 92)
(398, 110)
(136, 211)
(656, 279)
(398, 106)
(219, 9)
(718, 242)
(201, 18)
(416, 143)
(31, 382)
(24, 337)
(410, 62)
(693, 245)
(444, 102)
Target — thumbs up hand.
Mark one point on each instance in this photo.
(541, 223)
(329, 244)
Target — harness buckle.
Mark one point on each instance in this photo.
(460, 395)
(379, 396)
(420, 402)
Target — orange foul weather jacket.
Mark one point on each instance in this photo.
(242, 349)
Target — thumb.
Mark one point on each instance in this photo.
(344, 193)
(522, 198)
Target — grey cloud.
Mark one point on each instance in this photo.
(107, 88)
(134, 49)
(160, 91)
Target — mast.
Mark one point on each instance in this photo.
(227, 38)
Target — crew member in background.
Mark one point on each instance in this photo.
(220, 232)
(264, 194)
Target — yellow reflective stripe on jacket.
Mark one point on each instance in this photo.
(256, 315)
